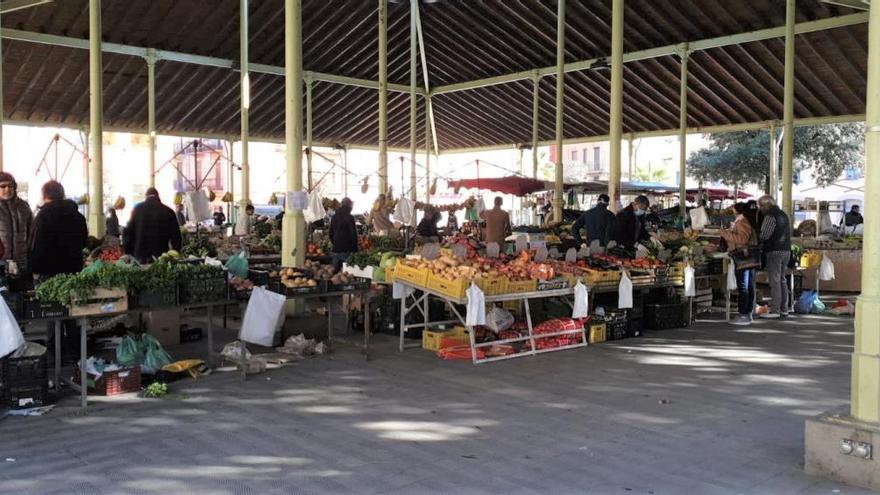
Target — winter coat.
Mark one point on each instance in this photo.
(597, 221)
(741, 235)
(113, 225)
(152, 228)
(15, 230)
(343, 233)
(629, 228)
(58, 239)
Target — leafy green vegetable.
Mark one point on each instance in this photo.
(156, 390)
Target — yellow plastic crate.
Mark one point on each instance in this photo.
(597, 333)
(390, 273)
(521, 287)
(676, 270)
(411, 275)
(492, 286)
(435, 340)
(452, 288)
(811, 259)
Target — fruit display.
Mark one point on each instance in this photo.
(107, 254)
(315, 250)
(293, 278)
(342, 278)
(239, 284)
(319, 271)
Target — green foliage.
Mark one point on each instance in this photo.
(197, 245)
(740, 158)
(156, 390)
(645, 175)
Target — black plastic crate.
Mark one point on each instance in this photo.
(190, 335)
(665, 316)
(26, 397)
(15, 302)
(260, 278)
(635, 328)
(356, 284)
(616, 328)
(715, 266)
(24, 371)
(154, 298)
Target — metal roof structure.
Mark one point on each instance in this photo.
(482, 59)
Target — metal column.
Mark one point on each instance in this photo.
(865, 387)
(96, 123)
(151, 114)
(773, 174)
(536, 102)
(616, 124)
(293, 225)
(245, 109)
(428, 150)
(383, 96)
(631, 152)
(1, 104)
(309, 154)
(682, 132)
(788, 112)
(558, 200)
(345, 170)
(413, 42)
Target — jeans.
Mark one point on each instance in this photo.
(776, 264)
(338, 259)
(745, 285)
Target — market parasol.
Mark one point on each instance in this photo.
(518, 186)
(717, 194)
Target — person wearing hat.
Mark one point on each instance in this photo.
(597, 222)
(427, 230)
(16, 219)
(152, 229)
(629, 225)
(343, 233)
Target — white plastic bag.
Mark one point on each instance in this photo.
(499, 320)
(198, 208)
(400, 291)
(690, 283)
(10, 333)
(826, 269)
(315, 210)
(541, 254)
(641, 251)
(476, 306)
(581, 308)
(521, 243)
(263, 316)
(731, 276)
(405, 212)
(699, 219)
(624, 292)
(492, 250)
(480, 205)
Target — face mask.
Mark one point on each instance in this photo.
(639, 212)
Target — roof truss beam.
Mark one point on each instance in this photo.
(188, 58)
(13, 5)
(662, 51)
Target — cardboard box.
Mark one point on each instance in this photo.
(164, 325)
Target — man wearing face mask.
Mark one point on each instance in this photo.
(629, 225)
(596, 221)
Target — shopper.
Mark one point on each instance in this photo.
(15, 222)
(597, 222)
(245, 223)
(451, 223)
(343, 233)
(219, 217)
(112, 222)
(742, 242)
(59, 235)
(380, 216)
(181, 216)
(497, 223)
(775, 237)
(629, 224)
(427, 231)
(152, 229)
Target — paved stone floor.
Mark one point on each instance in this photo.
(709, 409)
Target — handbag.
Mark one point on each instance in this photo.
(747, 258)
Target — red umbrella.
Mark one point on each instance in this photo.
(518, 186)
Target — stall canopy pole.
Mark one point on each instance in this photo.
(682, 132)
(413, 43)
(245, 109)
(151, 113)
(1, 104)
(428, 150)
(383, 96)
(345, 169)
(773, 173)
(616, 125)
(293, 225)
(788, 110)
(96, 123)
(865, 387)
(631, 152)
(558, 200)
(309, 155)
(536, 116)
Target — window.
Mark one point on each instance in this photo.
(597, 158)
(574, 155)
(584, 155)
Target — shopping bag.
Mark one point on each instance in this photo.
(237, 265)
(826, 269)
(198, 208)
(263, 316)
(581, 307)
(731, 276)
(624, 291)
(404, 212)
(130, 351)
(690, 282)
(699, 218)
(476, 306)
(499, 320)
(11, 337)
(400, 291)
(154, 356)
(642, 251)
(315, 210)
(804, 304)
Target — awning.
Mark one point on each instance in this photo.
(717, 194)
(601, 186)
(518, 186)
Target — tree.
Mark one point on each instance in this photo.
(648, 175)
(740, 158)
